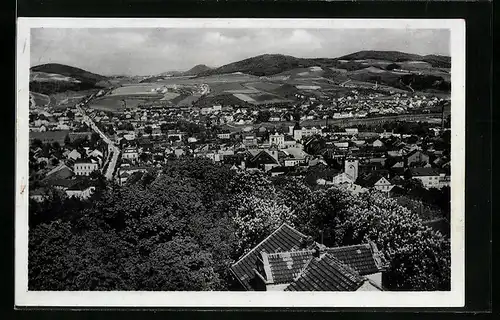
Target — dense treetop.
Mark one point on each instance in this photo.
(180, 228)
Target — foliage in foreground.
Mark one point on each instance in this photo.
(182, 228)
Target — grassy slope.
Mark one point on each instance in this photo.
(76, 73)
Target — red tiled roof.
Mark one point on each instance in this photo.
(286, 266)
(327, 274)
(288, 259)
(285, 238)
(361, 258)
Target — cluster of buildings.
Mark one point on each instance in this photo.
(65, 169)
(366, 160)
(50, 119)
(148, 136)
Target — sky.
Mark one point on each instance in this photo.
(121, 51)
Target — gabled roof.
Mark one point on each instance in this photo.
(285, 238)
(286, 266)
(264, 157)
(327, 274)
(288, 257)
(414, 152)
(363, 258)
(74, 153)
(60, 172)
(422, 172)
(369, 180)
(63, 183)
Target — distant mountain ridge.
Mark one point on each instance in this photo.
(362, 66)
(270, 64)
(397, 56)
(200, 68)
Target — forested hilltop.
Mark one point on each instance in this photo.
(182, 226)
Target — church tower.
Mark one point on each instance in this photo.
(351, 168)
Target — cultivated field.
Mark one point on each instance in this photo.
(142, 89)
(116, 103)
(169, 96)
(39, 100)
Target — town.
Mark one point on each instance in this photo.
(271, 173)
(68, 145)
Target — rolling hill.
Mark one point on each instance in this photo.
(196, 70)
(68, 71)
(396, 56)
(369, 66)
(53, 78)
(263, 65)
(271, 64)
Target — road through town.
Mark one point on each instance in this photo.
(111, 146)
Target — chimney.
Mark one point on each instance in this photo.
(319, 251)
(307, 242)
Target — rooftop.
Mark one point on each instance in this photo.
(420, 172)
(285, 238)
(289, 257)
(326, 274)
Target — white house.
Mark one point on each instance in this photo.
(85, 168)
(277, 139)
(224, 135)
(81, 193)
(430, 177)
(130, 153)
(377, 144)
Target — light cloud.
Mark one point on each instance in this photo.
(156, 50)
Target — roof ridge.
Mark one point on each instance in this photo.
(289, 226)
(290, 252)
(349, 246)
(255, 247)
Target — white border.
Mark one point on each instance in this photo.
(453, 298)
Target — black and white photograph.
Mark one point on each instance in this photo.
(240, 162)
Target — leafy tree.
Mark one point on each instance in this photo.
(412, 184)
(256, 216)
(111, 130)
(94, 138)
(181, 229)
(173, 228)
(263, 116)
(180, 264)
(144, 157)
(148, 130)
(418, 258)
(42, 164)
(392, 66)
(56, 145)
(70, 114)
(37, 143)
